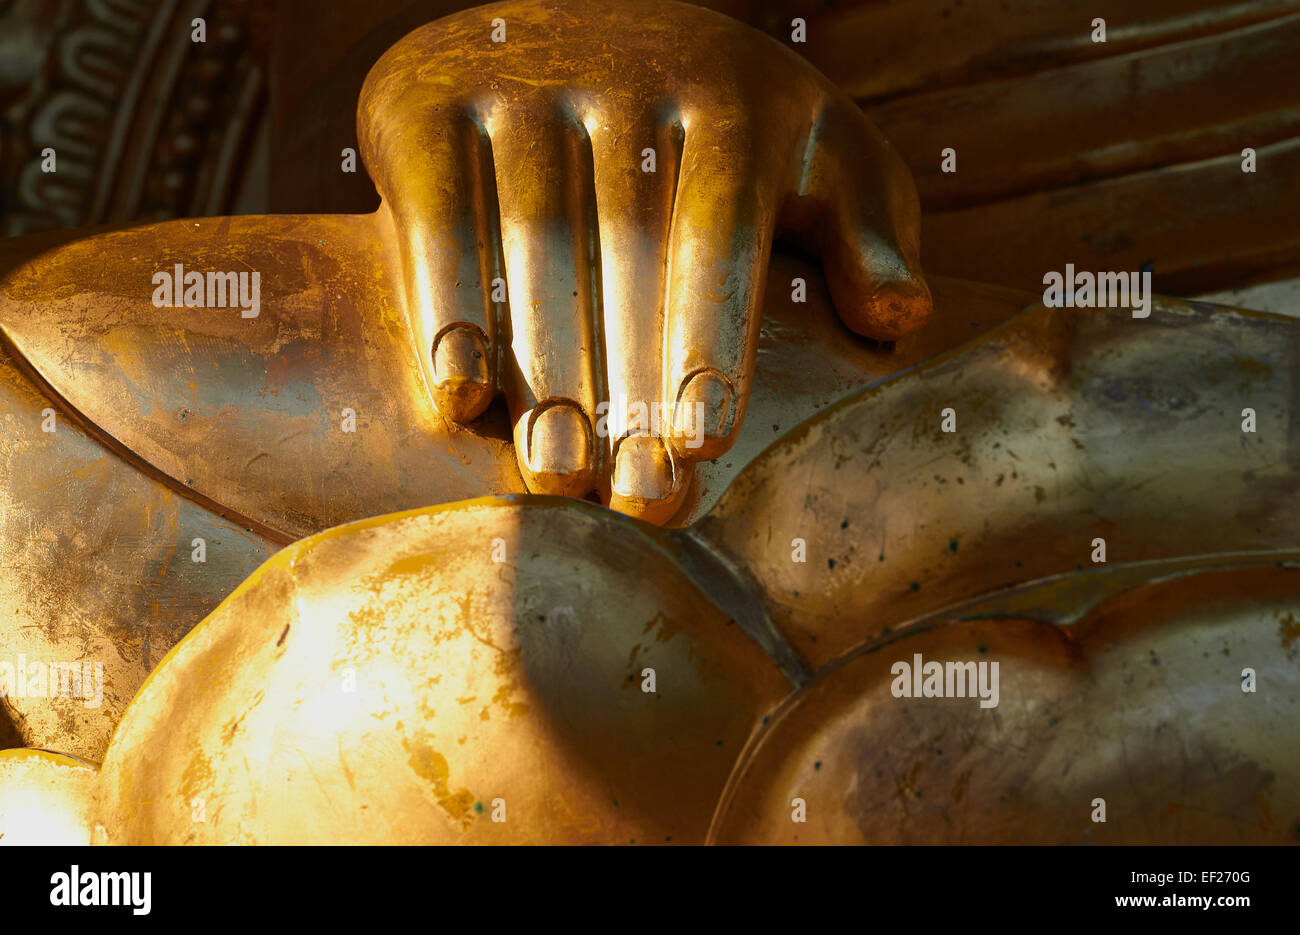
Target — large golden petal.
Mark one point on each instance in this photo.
(388, 681)
(1139, 703)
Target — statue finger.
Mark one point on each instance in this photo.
(543, 170)
(636, 164)
(438, 190)
(717, 264)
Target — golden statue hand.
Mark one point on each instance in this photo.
(585, 199)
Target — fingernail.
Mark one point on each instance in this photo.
(461, 382)
(559, 441)
(900, 308)
(704, 408)
(643, 469)
(459, 355)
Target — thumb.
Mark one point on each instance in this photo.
(860, 202)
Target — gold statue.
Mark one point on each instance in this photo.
(809, 512)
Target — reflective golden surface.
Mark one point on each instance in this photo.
(1137, 701)
(231, 430)
(45, 798)
(391, 679)
(1069, 426)
(551, 642)
(631, 209)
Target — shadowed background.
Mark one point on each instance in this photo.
(1110, 156)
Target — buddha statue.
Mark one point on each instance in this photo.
(403, 557)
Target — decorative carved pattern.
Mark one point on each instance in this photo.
(145, 123)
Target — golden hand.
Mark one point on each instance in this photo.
(585, 212)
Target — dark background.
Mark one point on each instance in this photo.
(1107, 155)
